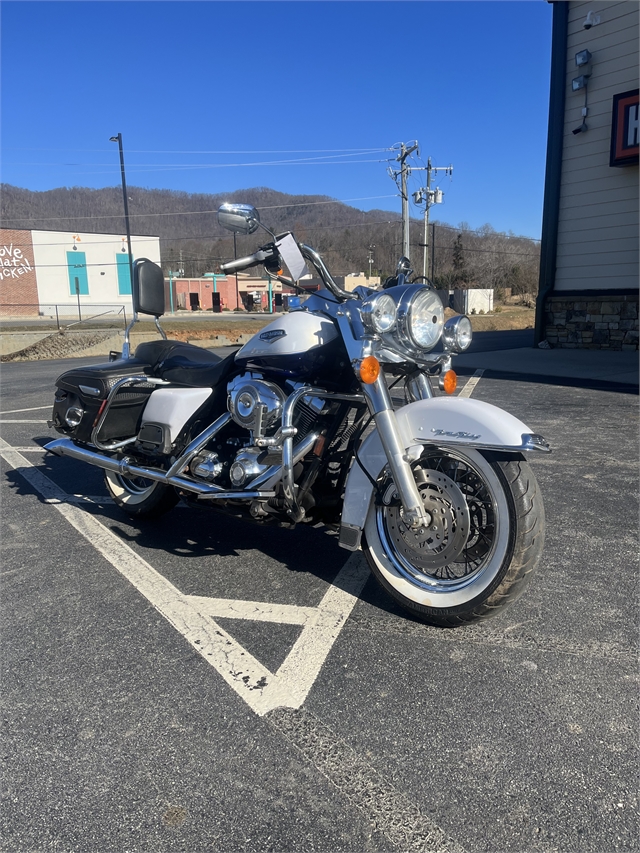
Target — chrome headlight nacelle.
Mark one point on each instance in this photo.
(409, 320)
(457, 334)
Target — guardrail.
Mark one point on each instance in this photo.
(60, 312)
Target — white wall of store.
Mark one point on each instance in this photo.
(50, 255)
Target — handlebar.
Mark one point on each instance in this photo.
(270, 252)
(310, 254)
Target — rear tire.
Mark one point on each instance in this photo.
(139, 497)
(485, 542)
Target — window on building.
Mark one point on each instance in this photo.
(124, 274)
(77, 268)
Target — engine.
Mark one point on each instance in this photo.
(255, 404)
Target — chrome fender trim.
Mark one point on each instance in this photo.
(442, 422)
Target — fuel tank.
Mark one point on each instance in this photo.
(297, 345)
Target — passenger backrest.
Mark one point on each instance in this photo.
(148, 288)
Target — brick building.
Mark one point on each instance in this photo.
(216, 292)
(18, 285)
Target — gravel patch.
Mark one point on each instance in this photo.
(58, 345)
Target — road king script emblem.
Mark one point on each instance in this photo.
(461, 434)
(273, 334)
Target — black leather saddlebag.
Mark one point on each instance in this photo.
(81, 392)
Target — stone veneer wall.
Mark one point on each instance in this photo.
(592, 322)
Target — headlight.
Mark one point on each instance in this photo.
(425, 319)
(408, 318)
(379, 314)
(457, 334)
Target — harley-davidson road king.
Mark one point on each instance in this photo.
(298, 427)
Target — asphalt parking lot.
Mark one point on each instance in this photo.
(519, 734)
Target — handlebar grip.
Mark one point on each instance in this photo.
(244, 263)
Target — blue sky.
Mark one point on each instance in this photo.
(314, 92)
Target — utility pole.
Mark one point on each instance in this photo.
(404, 172)
(370, 259)
(425, 254)
(430, 197)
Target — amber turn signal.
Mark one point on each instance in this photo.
(449, 382)
(369, 369)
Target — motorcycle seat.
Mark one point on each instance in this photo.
(185, 364)
(183, 371)
(154, 353)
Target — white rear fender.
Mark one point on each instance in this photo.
(439, 421)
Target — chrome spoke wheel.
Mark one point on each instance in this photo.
(134, 485)
(463, 535)
(140, 496)
(478, 551)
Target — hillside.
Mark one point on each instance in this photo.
(191, 239)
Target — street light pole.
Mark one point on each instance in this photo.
(118, 139)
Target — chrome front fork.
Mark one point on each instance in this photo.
(379, 402)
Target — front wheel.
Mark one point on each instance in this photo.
(479, 551)
(140, 497)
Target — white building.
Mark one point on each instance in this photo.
(45, 270)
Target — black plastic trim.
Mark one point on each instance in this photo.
(553, 169)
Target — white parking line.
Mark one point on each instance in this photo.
(16, 421)
(32, 409)
(254, 611)
(261, 689)
(469, 387)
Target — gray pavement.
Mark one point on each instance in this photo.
(518, 734)
(609, 367)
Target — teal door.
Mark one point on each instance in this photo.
(124, 274)
(77, 268)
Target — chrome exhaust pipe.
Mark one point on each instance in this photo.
(65, 447)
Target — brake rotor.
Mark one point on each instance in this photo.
(442, 542)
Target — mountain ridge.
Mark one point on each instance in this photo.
(346, 237)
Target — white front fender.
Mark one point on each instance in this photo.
(442, 421)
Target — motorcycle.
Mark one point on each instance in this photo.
(298, 427)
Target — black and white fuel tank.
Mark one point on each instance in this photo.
(299, 345)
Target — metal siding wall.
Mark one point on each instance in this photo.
(598, 227)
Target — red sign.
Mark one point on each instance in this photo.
(624, 129)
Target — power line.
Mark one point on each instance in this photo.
(313, 160)
(264, 151)
(189, 212)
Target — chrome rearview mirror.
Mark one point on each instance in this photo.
(404, 267)
(241, 218)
